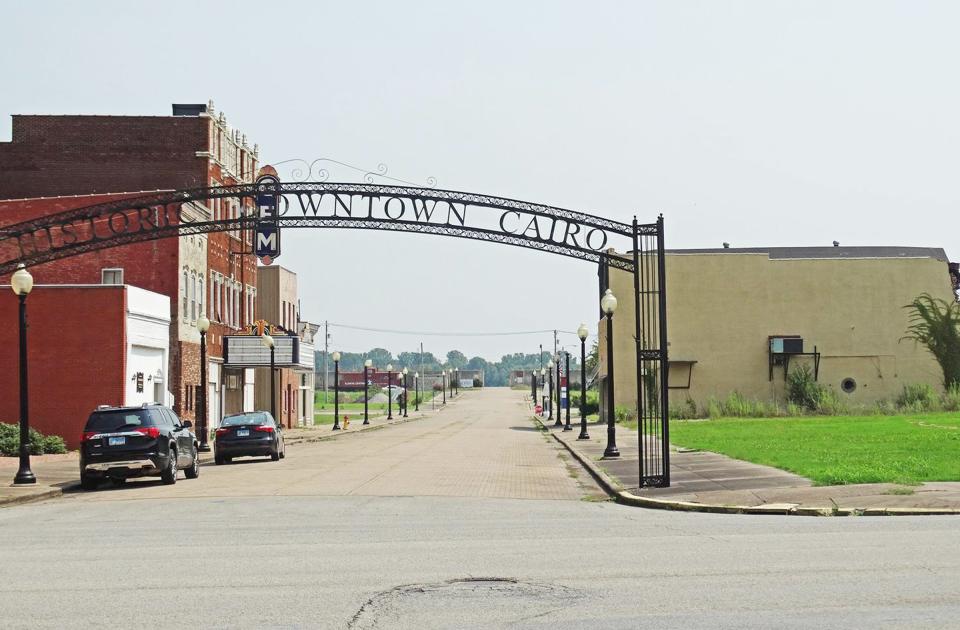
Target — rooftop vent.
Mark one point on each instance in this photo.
(187, 109)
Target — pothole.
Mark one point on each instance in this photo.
(463, 602)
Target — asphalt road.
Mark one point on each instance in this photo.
(380, 554)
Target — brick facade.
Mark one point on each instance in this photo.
(87, 156)
(76, 343)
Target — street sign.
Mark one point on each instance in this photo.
(266, 237)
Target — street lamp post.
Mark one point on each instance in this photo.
(22, 283)
(405, 372)
(366, 391)
(268, 342)
(608, 303)
(443, 384)
(336, 391)
(559, 420)
(550, 388)
(450, 380)
(543, 390)
(390, 391)
(203, 325)
(416, 391)
(533, 385)
(582, 332)
(566, 368)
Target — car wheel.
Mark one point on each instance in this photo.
(117, 482)
(169, 475)
(217, 460)
(283, 449)
(194, 471)
(275, 456)
(89, 483)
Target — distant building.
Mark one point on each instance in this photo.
(88, 345)
(739, 320)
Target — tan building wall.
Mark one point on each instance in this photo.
(723, 305)
(277, 303)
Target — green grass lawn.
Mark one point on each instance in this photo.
(837, 450)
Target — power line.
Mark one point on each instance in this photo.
(452, 334)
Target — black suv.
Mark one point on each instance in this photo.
(123, 442)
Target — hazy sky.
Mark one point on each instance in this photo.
(758, 123)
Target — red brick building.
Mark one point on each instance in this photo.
(104, 344)
(84, 160)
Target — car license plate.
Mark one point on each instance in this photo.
(116, 441)
(243, 432)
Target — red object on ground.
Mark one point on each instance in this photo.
(538, 410)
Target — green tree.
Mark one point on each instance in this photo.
(477, 363)
(935, 323)
(456, 359)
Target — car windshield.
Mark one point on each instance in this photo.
(246, 418)
(120, 419)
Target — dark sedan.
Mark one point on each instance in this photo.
(249, 434)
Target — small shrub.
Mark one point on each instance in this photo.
(714, 410)
(593, 402)
(793, 409)
(625, 414)
(829, 404)
(950, 401)
(686, 411)
(803, 389)
(918, 398)
(39, 444)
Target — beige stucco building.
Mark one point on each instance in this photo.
(277, 302)
(727, 308)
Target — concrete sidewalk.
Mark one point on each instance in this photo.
(57, 474)
(706, 481)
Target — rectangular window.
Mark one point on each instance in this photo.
(186, 293)
(111, 276)
(200, 295)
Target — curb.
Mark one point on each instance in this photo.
(49, 493)
(616, 491)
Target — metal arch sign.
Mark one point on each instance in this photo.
(318, 205)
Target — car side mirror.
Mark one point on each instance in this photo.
(187, 424)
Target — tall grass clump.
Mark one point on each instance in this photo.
(918, 397)
(950, 401)
(803, 389)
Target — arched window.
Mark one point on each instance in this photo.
(200, 295)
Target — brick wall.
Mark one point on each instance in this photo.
(69, 155)
(76, 343)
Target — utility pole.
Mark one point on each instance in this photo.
(554, 344)
(326, 354)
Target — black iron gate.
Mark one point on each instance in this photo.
(650, 308)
